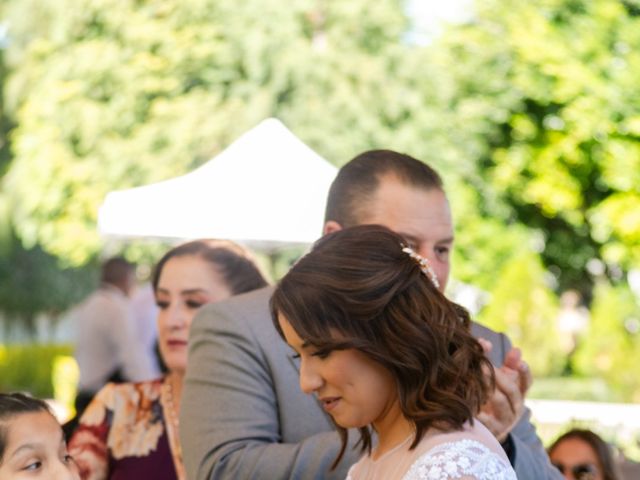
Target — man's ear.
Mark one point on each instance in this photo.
(330, 227)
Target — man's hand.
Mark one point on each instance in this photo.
(513, 361)
(506, 404)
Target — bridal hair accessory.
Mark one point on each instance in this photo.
(423, 263)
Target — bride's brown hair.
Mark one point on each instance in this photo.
(358, 289)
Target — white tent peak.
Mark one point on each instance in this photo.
(267, 187)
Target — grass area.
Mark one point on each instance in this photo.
(573, 388)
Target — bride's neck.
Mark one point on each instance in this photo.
(393, 430)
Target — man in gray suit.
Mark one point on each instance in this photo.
(243, 415)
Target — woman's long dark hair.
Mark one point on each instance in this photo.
(598, 445)
(235, 263)
(359, 284)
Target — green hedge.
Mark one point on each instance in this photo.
(30, 367)
(574, 388)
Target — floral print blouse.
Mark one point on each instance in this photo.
(129, 432)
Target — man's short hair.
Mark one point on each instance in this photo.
(357, 182)
(116, 270)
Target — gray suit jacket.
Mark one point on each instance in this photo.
(243, 415)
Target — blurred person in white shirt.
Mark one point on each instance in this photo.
(107, 345)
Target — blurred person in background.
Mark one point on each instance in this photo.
(130, 430)
(582, 455)
(145, 312)
(107, 347)
(31, 441)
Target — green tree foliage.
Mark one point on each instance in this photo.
(5, 121)
(33, 281)
(546, 100)
(111, 94)
(611, 347)
(523, 305)
(483, 245)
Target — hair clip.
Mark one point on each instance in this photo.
(424, 265)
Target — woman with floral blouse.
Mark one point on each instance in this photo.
(130, 430)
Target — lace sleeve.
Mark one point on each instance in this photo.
(461, 460)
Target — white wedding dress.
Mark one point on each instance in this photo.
(470, 454)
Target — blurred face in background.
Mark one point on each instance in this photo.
(576, 460)
(36, 448)
(184, 285)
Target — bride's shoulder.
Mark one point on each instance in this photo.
(466, 459)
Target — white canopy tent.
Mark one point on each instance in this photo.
(266, 189)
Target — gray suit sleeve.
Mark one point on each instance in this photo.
(230, 421)
(530, 460)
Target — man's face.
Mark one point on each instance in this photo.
(421, 216)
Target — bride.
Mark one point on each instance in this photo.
(384, 351)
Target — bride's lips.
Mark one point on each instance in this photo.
(174, 343)
(329, 403)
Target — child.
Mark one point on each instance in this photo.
(31, 441)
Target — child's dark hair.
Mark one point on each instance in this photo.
(13, 404)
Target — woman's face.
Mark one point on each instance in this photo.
(36, 449)
(576, 460)
(352, 388)
(185, 284)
